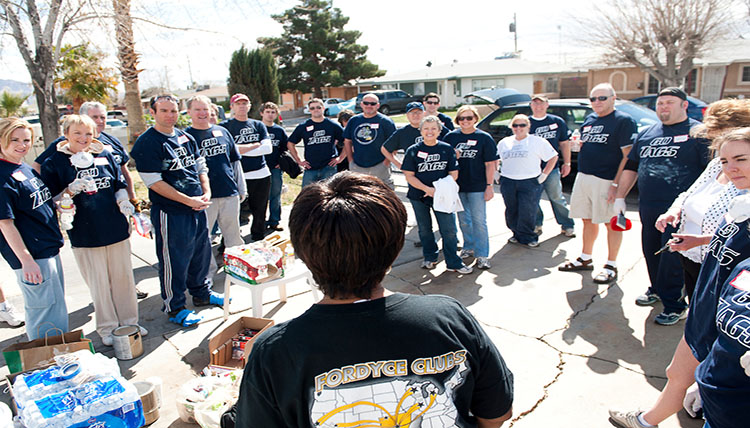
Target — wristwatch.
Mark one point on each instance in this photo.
(614, 184)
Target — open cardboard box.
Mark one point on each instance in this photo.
(220, 344)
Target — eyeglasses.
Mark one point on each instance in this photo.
(599, 98)
(462, 118)
(519, 125)
(432, 103)
(314, 108)
(369, 103)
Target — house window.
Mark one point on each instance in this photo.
(653, 85)
(430, 87)
(746, 73)
(550, 85)
(407, 87)
(477, 84)
(690, 81)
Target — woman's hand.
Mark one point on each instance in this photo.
(430, 191)
(669, 218)
(684, 241)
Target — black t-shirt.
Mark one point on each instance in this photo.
(429, 164)
(174, 157)
(320, 139)
(217, 146)
(368, 136)
(25, 199)
(476, 149)
(447, 122)
(98, 220)
(248, 132)
(669, 160)
(421, 355)
(603, 139)
(407, 136)
(278, 141)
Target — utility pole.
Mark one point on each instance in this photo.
(514, 29)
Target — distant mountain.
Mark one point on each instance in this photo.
(16, 87)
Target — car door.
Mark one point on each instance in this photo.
(497, 123)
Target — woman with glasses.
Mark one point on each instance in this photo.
(521, 176)
(477, 163)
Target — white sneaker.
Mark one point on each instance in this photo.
(626, 419)
(538, 230)
(466, 253)
(9, 315)
(569, 233)
(465, 270)
(144, 332)
(426, 264)
(483, 263)
(107, 340)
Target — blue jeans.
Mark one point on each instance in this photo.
(553, 188)
(312, 175)
(521, 204)
(44, 303)
(473, 222)
(446, 226)
(274, 198)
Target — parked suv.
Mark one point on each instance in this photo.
(390, 100)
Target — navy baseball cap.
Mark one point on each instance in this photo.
(412, 105)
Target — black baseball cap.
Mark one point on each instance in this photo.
(675, 92)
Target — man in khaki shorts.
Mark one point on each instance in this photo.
(607, 136)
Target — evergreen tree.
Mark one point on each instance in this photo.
(254, 73)
(315, 51)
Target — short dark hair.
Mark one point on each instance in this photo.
(348, 230)
(156, 98)
(344, 116)
(431, 95)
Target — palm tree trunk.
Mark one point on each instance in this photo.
(128, 67)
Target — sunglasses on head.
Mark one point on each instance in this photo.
(432, 102)
(154, 100)
(519, 125)
(462, 118)
(599, 98)
(369, 103)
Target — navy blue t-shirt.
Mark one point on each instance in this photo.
(25, 199)
(603, 139)
(368, 136)
(407, 136)
(429, 164)
(447, 122)
(320, 139)
(111, 144)
(248, 132)
(669, 160)
(476, 149)
(217, 146)
(552, 128)
(174, 157)
(278, 141)
(98, 220)
(718, 330)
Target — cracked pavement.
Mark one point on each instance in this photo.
(576, 348)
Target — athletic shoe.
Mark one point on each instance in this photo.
(483, 263)
(215, 299)
(144, 332)
(533, 244)
(569, 233)
(465, 270)
(9, 315)
(426, 264)
(647, 299)
(538, 230)
(140, 294)
(107, 340)
(626, 419)
(512, 240)
(670, 318)
(466, 253)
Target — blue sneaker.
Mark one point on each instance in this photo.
(670, 318)
(185, 318)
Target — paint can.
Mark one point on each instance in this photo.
(147, 393)
(127, 342)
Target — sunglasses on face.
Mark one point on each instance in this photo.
(462, 118)
(369, 103)
(314, 108)
(519, 125)
(599, 98)
(432, 102)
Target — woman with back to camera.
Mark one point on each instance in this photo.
(699, 210)
(31, 237)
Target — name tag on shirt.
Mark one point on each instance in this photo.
(741, 281)
(680, 138)
(553, 126)
(216, 133)
(422, 155)
(374, 125)
(470, 143)
(587, 128)
(182, 139)
(310, 128)
(108, 148)
(19, 176)
(101, 161)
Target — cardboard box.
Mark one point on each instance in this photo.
(220, 344)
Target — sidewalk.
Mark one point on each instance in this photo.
(576, 348)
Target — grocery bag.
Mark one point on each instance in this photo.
(41, 352)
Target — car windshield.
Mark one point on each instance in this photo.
(115, 122)
(643, 117)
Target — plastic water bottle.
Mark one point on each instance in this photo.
(575, 141)
(66, 217)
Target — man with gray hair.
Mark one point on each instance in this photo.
(364, 136)
(607, 135)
